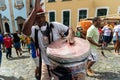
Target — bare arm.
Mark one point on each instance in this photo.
(31, 18)
(117, 36)
(70, 36)
(28, 23)
(93, 42)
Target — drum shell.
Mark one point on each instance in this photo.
(61, 53)
(73, 62)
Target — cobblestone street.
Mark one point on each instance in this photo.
(107, 68)
(22, 68)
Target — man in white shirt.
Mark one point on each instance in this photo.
(46, 33)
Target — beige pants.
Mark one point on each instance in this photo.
(45, 75)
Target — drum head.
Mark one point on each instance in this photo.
(62, 52)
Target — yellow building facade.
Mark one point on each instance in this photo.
(69, 12)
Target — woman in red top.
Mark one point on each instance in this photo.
(8, 45)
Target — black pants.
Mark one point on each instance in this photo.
(8, 52)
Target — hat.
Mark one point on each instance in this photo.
(5, 33)
(41, 11)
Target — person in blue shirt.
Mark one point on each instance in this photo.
(1, 42)
(35, 57)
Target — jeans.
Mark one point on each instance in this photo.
(0, 57)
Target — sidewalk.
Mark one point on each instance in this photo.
(23, 68)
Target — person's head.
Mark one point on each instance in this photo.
(15, 35)
(97, 22)
(5, 34)
(40, 17)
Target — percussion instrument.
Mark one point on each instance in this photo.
(70, 57)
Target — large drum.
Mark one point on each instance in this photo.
(69, 59)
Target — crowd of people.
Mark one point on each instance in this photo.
(100, 35)
(43, 33)
(109, 33)
(38, 34)
(13, 41)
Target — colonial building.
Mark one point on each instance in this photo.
(13, 13)
(69, 12)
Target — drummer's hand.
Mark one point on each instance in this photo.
(70, 37)
(99, 45)
(38, 6)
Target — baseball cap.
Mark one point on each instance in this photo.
(41, 11)
(5, 33)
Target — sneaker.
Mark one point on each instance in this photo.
(20, 54)
(10, 57)
(37, 77)
(90, 72)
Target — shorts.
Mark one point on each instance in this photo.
(17, 44)
(106, 38)
(93, 55)
(28, 46)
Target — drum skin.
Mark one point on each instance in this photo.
(62, 52)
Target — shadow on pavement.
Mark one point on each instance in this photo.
(10, 78)
(22, 57)
(107, 76)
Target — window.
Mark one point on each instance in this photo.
(101, 12)
(51, 16)
(66, 0)
(2, 5)
(82, 14)
(118, 10)
(51, 0)
(19, 4)
(66, 18)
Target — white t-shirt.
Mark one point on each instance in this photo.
(58, 28)
(107, 30)
(116, 29)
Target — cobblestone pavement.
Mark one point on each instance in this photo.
(107, 68)
(22, 68)
(18, 68)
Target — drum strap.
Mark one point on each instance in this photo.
(50, 37)
(37, 46)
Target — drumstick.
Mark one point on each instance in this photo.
(103, 52)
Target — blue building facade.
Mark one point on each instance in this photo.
(13, 14)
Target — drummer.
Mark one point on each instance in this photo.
(93, 37)
(46, 32)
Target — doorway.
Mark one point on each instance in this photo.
(7, 29)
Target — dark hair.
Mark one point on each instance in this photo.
(95, 19)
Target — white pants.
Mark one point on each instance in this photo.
(93, 55)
